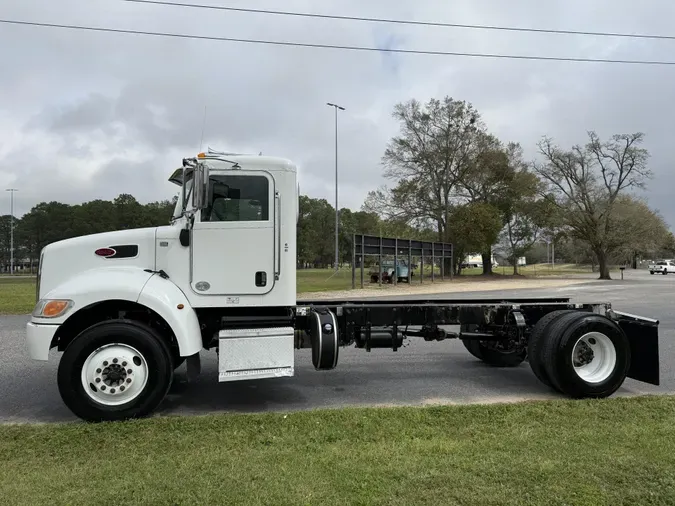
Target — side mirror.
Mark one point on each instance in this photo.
(200, 186)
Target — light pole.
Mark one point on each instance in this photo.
(336, 107)
(11, 229)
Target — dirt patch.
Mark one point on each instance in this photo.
(457, 286)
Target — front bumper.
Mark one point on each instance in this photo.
(39, 339)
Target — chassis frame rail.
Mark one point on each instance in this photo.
(386, 323)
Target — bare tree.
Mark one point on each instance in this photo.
(427, 160)
(586, 181)
(525, 225)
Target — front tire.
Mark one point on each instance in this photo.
(586, 355)
(115, 370)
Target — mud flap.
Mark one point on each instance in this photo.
(643, 336)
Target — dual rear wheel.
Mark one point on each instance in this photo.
(576, 353)
(579, 354)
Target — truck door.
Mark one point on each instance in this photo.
(233, 244)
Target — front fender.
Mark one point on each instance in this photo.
(164, 297)
(97, 285)
(135, 285)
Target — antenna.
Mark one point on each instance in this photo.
(201, 141)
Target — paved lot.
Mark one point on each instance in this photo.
(420, 373)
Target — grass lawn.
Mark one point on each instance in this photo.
(17, 294)
(618, 451)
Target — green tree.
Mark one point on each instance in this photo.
(316, 233)
(498, 176)
(475, 227)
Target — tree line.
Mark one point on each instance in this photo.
(452, 175)
(53, 221)
(49, 222)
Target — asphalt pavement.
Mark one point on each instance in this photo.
(418, 374)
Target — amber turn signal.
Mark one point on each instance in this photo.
(54, 307)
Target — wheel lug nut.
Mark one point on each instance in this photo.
(114, 360)
(98, 371)
(128, 380)
(124, 364)
(102, 387)
(98, 380)
(129, 371)
(105, 363)
(112, 390)
(122, 388)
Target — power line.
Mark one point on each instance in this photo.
(336, 47)
(404, 21)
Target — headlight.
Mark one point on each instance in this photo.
(51, 308)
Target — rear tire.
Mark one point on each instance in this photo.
(493, 357)
(473, 347)
(534, 345)
(115, 370)
(586, 355)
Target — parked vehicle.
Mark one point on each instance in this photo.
(388, 272)
(662, 267)
(126, 308)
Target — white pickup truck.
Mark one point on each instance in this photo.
(664, 267)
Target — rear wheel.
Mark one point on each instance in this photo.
(115, 370)
(585, 355)
(494, 356)
(534, 344)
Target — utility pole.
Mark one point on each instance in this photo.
(336, 107)
(11, 229)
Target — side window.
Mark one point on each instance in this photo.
(237, 198)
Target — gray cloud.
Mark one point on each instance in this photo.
(88, 115)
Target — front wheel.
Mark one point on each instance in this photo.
(115, 370)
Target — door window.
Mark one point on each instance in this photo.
(238, 198)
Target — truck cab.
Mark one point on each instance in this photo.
(232, 240)
(155, 297)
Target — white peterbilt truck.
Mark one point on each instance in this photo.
(126, 308)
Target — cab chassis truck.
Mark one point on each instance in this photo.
(127, 307)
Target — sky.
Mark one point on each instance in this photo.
(87, 115)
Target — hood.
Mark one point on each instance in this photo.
(67, 258)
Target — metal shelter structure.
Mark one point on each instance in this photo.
(370, 245)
